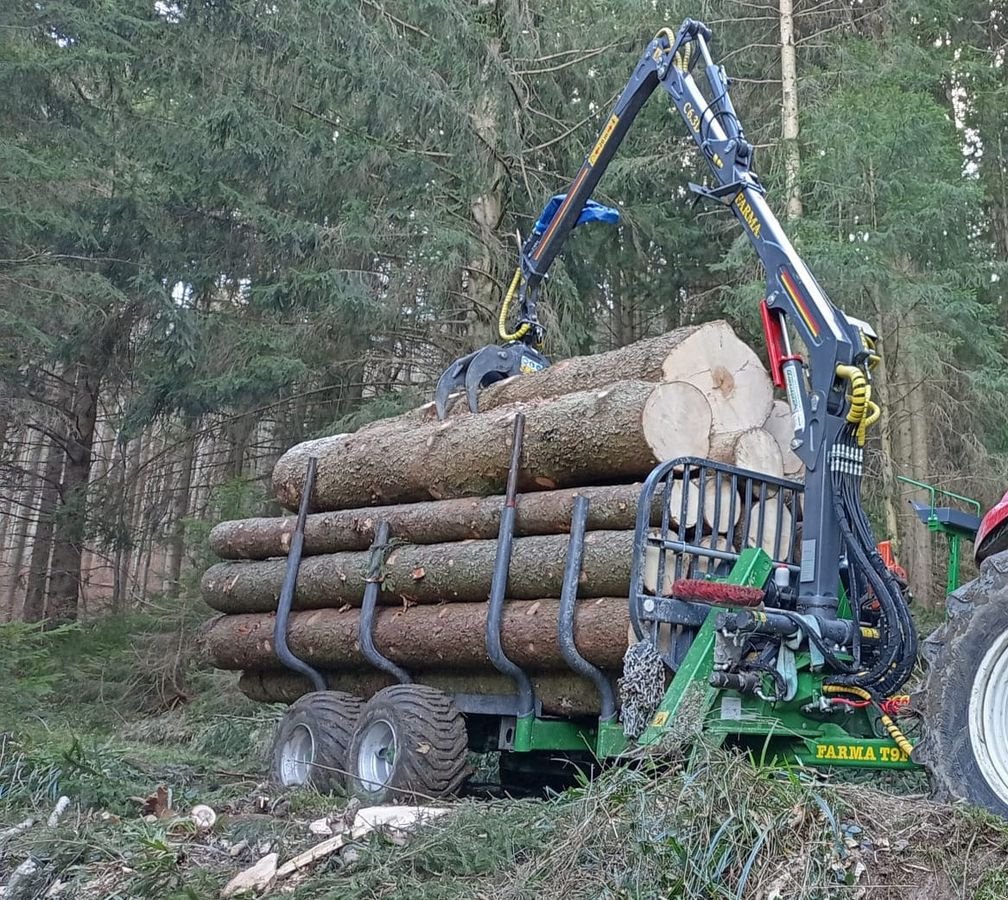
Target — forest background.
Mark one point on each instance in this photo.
(229, 225)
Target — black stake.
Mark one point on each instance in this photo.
(283, 652)
(498, 585)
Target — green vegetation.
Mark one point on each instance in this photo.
(712, 825)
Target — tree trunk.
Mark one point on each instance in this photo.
(430, 573)
(560, 694)
(641, 361)
(789, 112)
(446, 637)
(180, 508)
(435, 522)
(21, 521)
(890, 488)
(68, 536)
(920, 563)
(597, 436)
(42, 546)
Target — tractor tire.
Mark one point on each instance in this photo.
(410, 744)
(965, 703)
(312, 739)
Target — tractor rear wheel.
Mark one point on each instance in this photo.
(966, 696)
(312, 739)
(410, 744)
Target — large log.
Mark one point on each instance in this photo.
(781, 425)
(613, 508)
(640, 361)
(420, 638)
(425, 573)
(561, 694)
(590, 437)
(729, 374)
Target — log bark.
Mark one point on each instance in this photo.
(560, 694)
(641, 361)
(613, 508)
(591, 437)
(421, 638)
(425, 574)
(728, 373)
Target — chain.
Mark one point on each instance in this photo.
(641, 688)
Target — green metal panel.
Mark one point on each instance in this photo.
(610, 741)
(859, 753)
(553, 734)
(954, 542)
(752, 569)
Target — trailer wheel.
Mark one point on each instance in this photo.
(410, 744)
(312, 739)
(966, 696)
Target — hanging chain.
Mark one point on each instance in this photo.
(641, 688)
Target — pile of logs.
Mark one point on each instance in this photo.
(595, 426)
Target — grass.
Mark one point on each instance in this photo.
(90, 716)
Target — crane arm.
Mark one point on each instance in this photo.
(829, 393)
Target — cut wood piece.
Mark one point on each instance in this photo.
(641, 360)
(687, 516)
(421, 638)
(711, 567)
(775, 535)
(677, 421)
(561, 694)
(722, 506)
(758, 451)
(781, 425)
(729, 374)
(425, 573)
(591, 437)
(434, 522)
(651, 558)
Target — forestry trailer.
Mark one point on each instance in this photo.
(800, 645)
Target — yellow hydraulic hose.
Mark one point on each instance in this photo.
(522, 329)
(863, 411)
(890, 726)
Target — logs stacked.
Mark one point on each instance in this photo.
(594, 426)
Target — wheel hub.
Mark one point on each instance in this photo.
(297, 756)
(376, 755)
(988, 717)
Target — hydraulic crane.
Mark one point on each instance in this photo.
(793, 648)
(829, 392)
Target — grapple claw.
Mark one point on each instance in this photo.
(452, 379)
(482, 367)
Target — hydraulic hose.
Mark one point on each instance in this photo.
(522, 329)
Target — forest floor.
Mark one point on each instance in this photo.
(99, 714)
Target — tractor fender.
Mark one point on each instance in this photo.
(992, 535)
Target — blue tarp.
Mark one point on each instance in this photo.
(592, 212)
